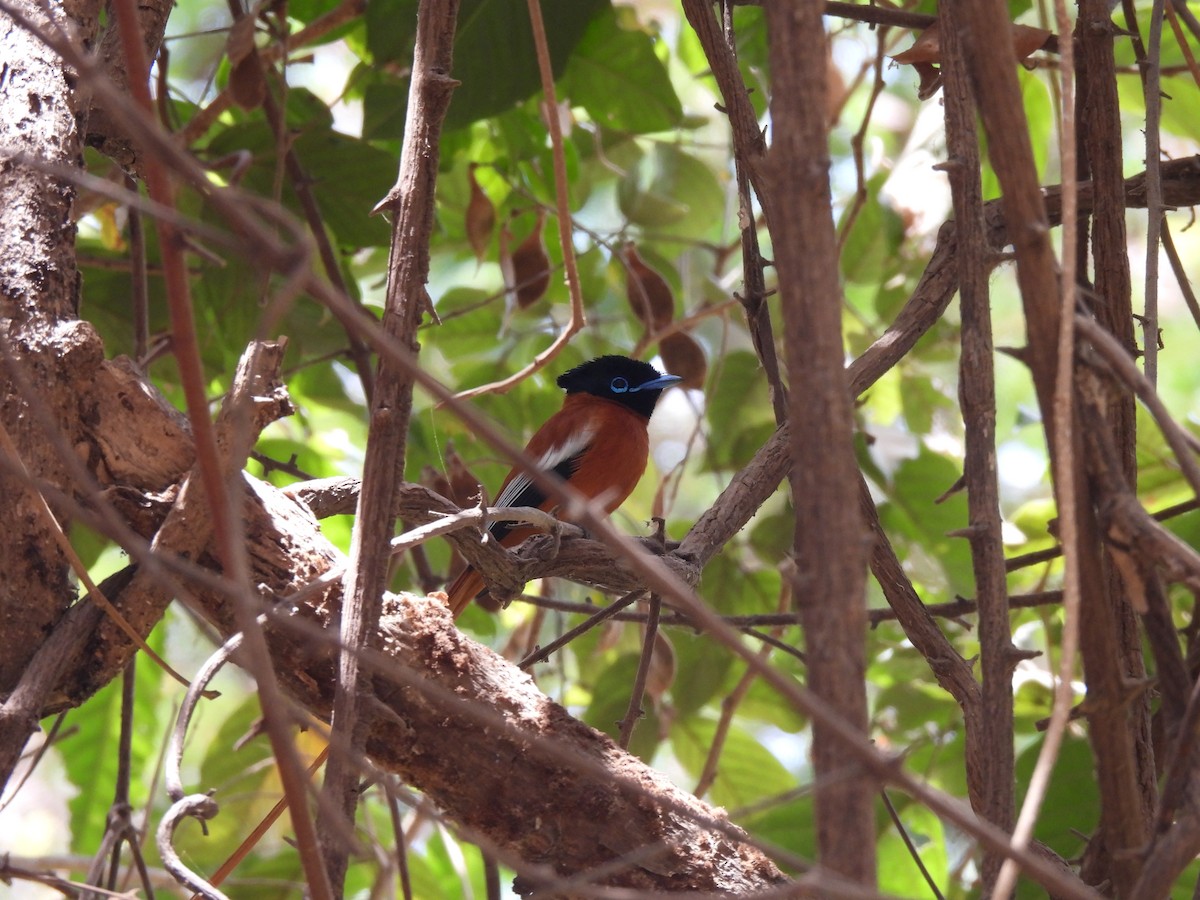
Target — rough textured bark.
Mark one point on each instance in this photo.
(977, 397)
(420, 678)
(103, 131)
(831, 540)
(993, 66)
(38, 300)
(288, 555)
(412, 202)
(34, 93)
(1100, 142)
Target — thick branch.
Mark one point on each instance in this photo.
(994, 776)
(104, 132)
(411, 201)
(992, 65)
(1100, 143)
(830, 538)
(38, 299)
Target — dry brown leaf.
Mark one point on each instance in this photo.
(531, 266)
(480, 218)
(463, 485)
(610, 636)
(927, 48)
(684, 357)
(1027, 39)
(836, 91)
(926, 53)
(436, 481)
(661, 675)
(247, 84)
(648, 293)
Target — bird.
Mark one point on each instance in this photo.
(597, 442)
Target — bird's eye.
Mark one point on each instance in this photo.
(618, 385)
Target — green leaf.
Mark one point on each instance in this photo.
(348, 177)
(941, 762)
(1071, 809)
(701, 676)
(738, 411)
(243, 779)
(305, 110)
(616, 76)
(90, 748)
(772, 536)
(898, 871)
(920, 400)
(937, 561)
(610, 701)
(870, 251)
(391, 29)
(384, 107)
(790, 825)
(762, 702)
(732, 587)
(746, 771)
(912, 706)
(673, 190)
(307, 10)
(494, 56)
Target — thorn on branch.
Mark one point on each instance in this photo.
(1020, 354)
(970, 532)
(959, 485)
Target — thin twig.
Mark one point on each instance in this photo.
(527, 515)
(1184, 46)
(260, 830)
(139, 292)
(1064, 462)
(912, 850)
(1181, 275)
(729, 705)
(199, 806)
(635, 712)
(1154, 201)
(541, 654)
(856, 144)
(411, 202)
(989, 745)
(302, 185)
(754, 301)
(1177, 438)
(400, 840)
(200, 123)
(562, 204)
(174, 782)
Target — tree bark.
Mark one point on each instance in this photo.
(831, 539)
(992, 65)
(412, 203)
(38, 289)
(990, 746)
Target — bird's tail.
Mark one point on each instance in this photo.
(463, 590)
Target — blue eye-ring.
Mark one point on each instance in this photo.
(618, 385)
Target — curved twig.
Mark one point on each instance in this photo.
(174, 783)
(197, 806)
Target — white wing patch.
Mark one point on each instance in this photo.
(547, 462)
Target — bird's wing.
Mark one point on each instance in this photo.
(562, 459)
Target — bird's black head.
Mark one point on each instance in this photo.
(630, 382)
